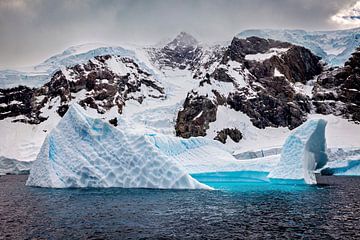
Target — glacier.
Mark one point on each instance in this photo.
(82, 151)
(334, 47)
(304, 151)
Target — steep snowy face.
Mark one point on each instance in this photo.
(303, 152)
(101, 83)
(335, 47)
(87, 152)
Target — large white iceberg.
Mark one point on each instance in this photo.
(304, 151)
(87, 152)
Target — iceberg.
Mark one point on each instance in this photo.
(13, 166)
(304, 151)
(82, 151)
(342, 168)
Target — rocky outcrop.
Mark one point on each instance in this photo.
(269, 110)
(101, 83)
(259, 75)
(194, 118)
(297, 64)
(233, 133)
(239, 48)
(337, 91)
(22, 101)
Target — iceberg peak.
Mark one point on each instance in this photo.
(303, 152)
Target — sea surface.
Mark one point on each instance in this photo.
(251, 210)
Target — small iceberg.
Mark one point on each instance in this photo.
(304, 151)
(343, 168)
(13, 166)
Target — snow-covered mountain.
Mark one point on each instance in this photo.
(247, 95)
(36, 76)
(335, 47)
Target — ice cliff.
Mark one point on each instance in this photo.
(82, 151)
(303, 152)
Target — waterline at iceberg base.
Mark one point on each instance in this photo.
(84, 152)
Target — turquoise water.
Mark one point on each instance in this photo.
(247, 181)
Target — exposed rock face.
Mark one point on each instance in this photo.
(239, 48)
(105, 81)
(296, 63)
(334, 47)
(337, 91)
(21, 101)
(194, 118)
(271, 110)
(233, 133)
(261, 75)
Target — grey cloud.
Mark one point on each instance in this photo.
(32, 30)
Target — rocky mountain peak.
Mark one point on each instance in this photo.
(182, 52)
(183, 40)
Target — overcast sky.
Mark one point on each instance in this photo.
(32, 30)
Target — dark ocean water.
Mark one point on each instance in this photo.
(255, 211)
